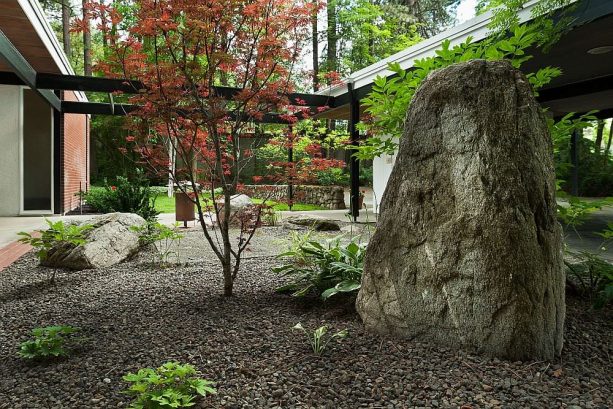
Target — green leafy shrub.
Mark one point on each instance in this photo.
(317, 339)
(366, 175)
(162, 238)
(130, 196)
(48, 342)
(333, 177)
(172, 385)
(325, 269)
(58, 233)
(593, 277)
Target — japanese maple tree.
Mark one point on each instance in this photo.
(187, 54)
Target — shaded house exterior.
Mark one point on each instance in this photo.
(44, 152)
(585, 55)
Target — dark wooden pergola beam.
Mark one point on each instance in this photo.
(46, 81)
(24, 71)
(86, 83)
(102, 108)
(576, 89)
(97, 108)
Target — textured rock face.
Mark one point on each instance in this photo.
(329, 197)
(467, 252)
(238, 204)
(310, 222)
(110, 242)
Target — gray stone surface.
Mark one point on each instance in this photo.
(468, 252)
(317, 223)
(238, 202)
(110, 242)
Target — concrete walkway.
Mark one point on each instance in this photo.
(584, 239)
(10, 226)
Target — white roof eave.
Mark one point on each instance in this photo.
(36, 15)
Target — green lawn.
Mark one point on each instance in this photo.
(165, 204)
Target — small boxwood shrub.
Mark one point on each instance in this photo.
(129, 196)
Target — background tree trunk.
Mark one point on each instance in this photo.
(66, 28)
(87, 42)
(332, 62)
(599, 132)
(104, 34)
(607, 151)
(315, 42)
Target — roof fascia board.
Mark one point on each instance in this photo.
(11, 56)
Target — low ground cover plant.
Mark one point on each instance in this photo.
(172, 385)
(49, 342)
(162, 238)
(319, 338)
(326, 269)
(58, 233)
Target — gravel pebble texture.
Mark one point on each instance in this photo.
(137, 315)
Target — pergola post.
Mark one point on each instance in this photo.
(354, 163)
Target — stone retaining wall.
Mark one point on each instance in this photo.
(330, 197)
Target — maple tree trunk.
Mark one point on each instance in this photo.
(66, 28)
(315, 42)
(87, 42)
(228, 279)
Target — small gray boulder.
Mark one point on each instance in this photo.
(310, 222)
(109, 242)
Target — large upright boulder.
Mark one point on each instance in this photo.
(111, 241)
(467, 252)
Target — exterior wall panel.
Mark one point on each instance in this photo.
(10, 128)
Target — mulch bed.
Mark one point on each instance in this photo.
(136, 315)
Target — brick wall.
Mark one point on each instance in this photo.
(75, 156)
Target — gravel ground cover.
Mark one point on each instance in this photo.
(137, 315)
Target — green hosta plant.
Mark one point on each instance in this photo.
(325, 269)
(162, 237)
(172, 385)
(58, 233)
(319, 339)
(48, 342)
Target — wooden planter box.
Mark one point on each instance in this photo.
(184, 208)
